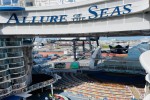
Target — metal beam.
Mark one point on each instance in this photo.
(74, 50)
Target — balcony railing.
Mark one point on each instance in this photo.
(1, 43)
(5, 91)
(5, 78)
(19, 85)
(3, 67)
(19, 64)
(17, 75)
(40, 85)
(4, 73)
(22, 88)
(16, 54)
(17, 70)
(2, 55)
(5, 85)
(13, 43)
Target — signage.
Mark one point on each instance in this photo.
(94, 13)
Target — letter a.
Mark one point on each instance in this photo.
(13, 17)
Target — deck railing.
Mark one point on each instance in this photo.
(11, 90)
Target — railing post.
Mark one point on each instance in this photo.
(11, 3)
(52, 90)
(1, 2)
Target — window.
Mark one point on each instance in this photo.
(14, 1)
(6, 2)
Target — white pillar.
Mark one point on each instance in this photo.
(52, 92)
(1, 2)
(11, 2)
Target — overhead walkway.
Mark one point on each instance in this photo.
(122, 18)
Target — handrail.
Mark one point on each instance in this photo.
(28, 89)
(3, 67)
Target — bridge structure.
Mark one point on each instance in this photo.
(74, 19)
(23, 20)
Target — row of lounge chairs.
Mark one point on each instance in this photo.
(82, 85)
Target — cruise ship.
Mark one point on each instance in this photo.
(21, 21)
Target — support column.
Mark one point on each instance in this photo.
(52, 92)
(74, 50)
(83, 45)
(90, 45)
(97, 41)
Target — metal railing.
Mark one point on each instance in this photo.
(17, 75)
(4, 73)
(13, 90)
(5, 91)
(13, 43)
(5, 78)
(2, 55)
(14, 54)
(14, 65)
(3, 67)
(1, 43)
(17, 70)
(19, 85)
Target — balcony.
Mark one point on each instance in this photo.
(3, 67)
(18, 70)
(16, 54)
(19, 86)
(2, 55)
(5, 91)
(2, 43)
(21, 74)
(5, 85)
(18, 80)
(13, 43)
(5, 78)
(4, 73)
(15, 65)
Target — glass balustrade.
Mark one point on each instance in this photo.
(14, 60)
(5, 85)
(5, 78)
(18, 80)
(4, 73)
(14, 65)
(18, 70)
(5, 91)
(12, 43)
(19, 85)
(14, 54)
(3, 67)
(2, 55)
(17, 75)
(1, 43)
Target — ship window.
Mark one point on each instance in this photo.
(14, 1)
(29, 3)
(6, 2)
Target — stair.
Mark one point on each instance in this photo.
(135, 92)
